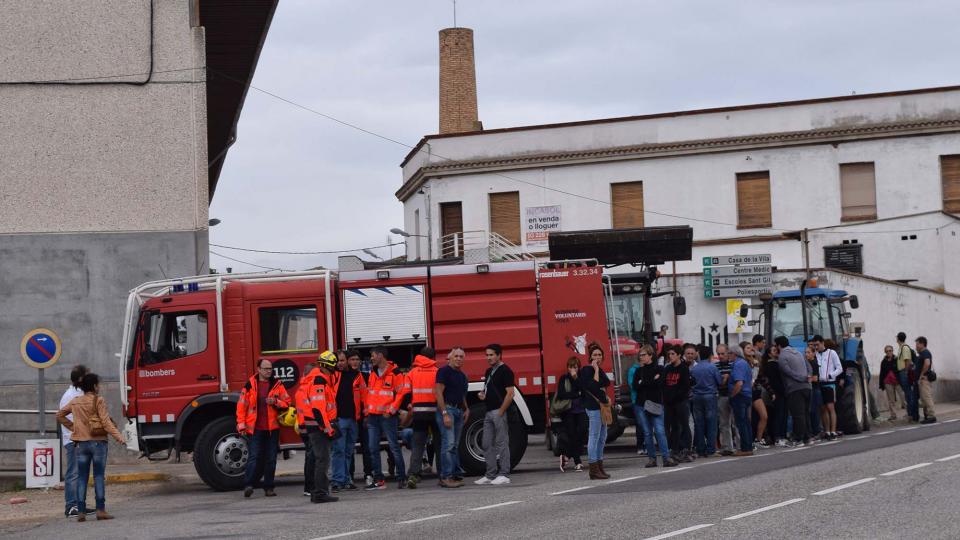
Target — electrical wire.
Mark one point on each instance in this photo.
(334, 252)
(247, 263)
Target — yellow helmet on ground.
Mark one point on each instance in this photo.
(327, 359)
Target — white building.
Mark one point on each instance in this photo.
(867, 169)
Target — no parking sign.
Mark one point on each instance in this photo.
(40, 348)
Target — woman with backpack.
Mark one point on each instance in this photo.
(90, 426)
(574, 417)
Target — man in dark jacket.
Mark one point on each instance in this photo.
(676, 392)
(796, 374)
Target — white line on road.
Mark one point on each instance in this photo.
(909, 428)
(627, 479)
(428, 518)
(948, 458)
(764, 509)
(845, 486)
(508, 503)
(681, 531)
(951, 421)
(797, 449)
(341, 535)
(827, 443)
(905, 469)
(581, 488)
(675, 469)
(718, 461)
(857, 438)
(883, 433)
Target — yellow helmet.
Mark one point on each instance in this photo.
(288, 417)
(327, 359)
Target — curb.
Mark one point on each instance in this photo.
(127, 478)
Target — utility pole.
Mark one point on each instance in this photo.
(806, 253)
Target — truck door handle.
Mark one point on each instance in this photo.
(206, 377)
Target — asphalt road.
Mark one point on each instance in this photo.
(894, 482)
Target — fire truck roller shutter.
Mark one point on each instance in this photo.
(397, 311)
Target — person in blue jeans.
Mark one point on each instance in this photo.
(452, 411)
(641, 449)
(592, 381)
(91, 447)
(706, 382)
(350, 387)
(69, 448)
(648, 383)
(904, 367)
(741, 399)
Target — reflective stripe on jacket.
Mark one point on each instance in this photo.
(322, 410)
(301, 397)
(359, 390)
(247, 405)
(384, 393)
(423, 379)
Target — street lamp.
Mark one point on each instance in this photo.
(401, 232)
(213, 222)
(405, 234)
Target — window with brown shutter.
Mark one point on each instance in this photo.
(858, 192)
(753, 200)
(451, 221)
(950, 173)
(505, 215)
(626, 205)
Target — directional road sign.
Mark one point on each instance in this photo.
(40, 348)
(725, 260)
(748, 270)
(735, 292)
(737, 281)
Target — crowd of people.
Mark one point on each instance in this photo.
(693, 402)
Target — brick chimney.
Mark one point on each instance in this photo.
(458, 82)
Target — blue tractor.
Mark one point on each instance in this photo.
(800, 314)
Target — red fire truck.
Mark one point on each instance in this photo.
(190, 344)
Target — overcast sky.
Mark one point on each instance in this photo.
(295, 181)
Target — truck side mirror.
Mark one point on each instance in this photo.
(744, 310)
(679, 305)
(854, 301)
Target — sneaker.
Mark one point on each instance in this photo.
(401, 483)
(269, 492)
(247, 492)
(641, 452)
(412, 481)
(762, 444)
(563, 463)
(578, 467)
(426, 469)
(349, 487)
(929, 420)
(726, 452)
(375, 484)
(320, 499)
(500, 480)
(483, 480)
(334, 488)
(781, 443)
(306, 493)
(367, 480)
(651, 463)
(669, 462)
(72, 512)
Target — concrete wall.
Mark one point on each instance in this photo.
(885, 309)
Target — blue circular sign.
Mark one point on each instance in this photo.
(40, 348)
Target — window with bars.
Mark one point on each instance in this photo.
(753, 200)
(858, 192)
(505, 215)
(950, 175)
(626, 205)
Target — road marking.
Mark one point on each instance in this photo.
(675, 469)
(428, 518)
(883, 433)
(828, 443)
(845, 486)
(508, 503)
(909, 428)
(581, 488)
(948, 458)
(627, 479)
(797, 449)
(905, 469)
(341, 535)
(764, 509)
(951, 421)
(718, 461)
(858, 437)
(681, 531)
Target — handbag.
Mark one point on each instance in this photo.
(559, 406)
(606, 411)
(653, 408)
(96, 423)
(931, 375)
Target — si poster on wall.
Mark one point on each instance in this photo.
(43, 463)
(540, 222)
(735, 323)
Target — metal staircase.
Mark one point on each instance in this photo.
(480, 247)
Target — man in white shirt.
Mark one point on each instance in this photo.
(70, 479)
(830, 369)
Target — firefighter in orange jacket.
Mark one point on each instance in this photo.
(423, 404)
(320, 421)
(301, 400)
(261, 400)
(385, 391)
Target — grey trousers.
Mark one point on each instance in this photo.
(725, 418)
(496, 444)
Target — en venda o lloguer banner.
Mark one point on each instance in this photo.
(540, 222)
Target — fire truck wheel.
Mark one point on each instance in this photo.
(220, 455)
(471, 447)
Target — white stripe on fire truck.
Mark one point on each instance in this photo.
(169, 417)
(523, 381)
(537, 381)
(142, 418)
(551, 379)
(155, 418)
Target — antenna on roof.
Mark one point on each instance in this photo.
(454, 13)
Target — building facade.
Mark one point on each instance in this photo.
(115, 118)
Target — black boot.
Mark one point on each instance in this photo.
(319, 498)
